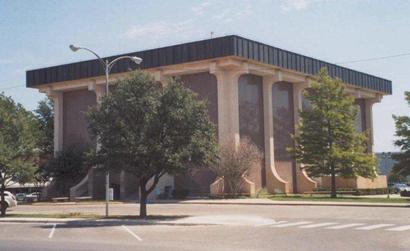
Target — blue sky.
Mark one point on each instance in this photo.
(35, 34)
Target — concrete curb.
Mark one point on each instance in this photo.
(290, 203)
(73, 220)
(39, 220)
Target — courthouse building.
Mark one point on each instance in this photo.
(253, 90)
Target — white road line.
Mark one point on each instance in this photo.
(346, 226)
(271, 224)
(371, 227)
(401, 228)
(319, 225)
(292, 224)
(52, 231)
(131, 233)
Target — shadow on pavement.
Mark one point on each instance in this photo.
(170, 220)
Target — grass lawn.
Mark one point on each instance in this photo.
(340, 198)
(85, 202)
(86, 216)
(58, 216)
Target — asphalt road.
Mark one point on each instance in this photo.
(218, 227)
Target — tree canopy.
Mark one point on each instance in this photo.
(19, 134)
(402, 167)
(327, 143)
(149, 130)
(45, 116)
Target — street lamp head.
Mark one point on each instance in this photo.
(74, 48)
(136, 60)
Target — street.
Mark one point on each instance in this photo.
(215, 227)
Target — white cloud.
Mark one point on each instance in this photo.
(237, 12)
(206, 17)
(158, 29)
(288, 5)
(200, 8)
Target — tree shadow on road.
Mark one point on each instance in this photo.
(152, 220)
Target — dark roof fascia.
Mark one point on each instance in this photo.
(232, 45)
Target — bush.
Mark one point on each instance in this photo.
(180, 193)
(374, 191)
(405, 193)
(234, 164)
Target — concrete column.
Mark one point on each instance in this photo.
(123, 191)
(228, 117)
(99, 90)
(161, 78)
(228, 105)
(369, 122)
(57, 98)
(301, 181)
(274, 183)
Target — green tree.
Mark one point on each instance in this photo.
(19, 136)
(402, 167)
(149, 130)
(66, 168)
(45, 116)
(327, 143)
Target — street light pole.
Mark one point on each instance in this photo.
(107, 66)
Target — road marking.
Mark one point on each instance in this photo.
(271, 224)
(401, 228)
(131, 233)
(346, 226)
(371, 227)
(293, 224)
(318, 225)
(52, 231)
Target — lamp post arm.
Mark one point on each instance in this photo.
(103, 63)
(112, 63)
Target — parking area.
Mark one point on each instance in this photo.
(239, 231)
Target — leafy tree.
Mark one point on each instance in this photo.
(149, 130)
(233, 164)
(402, 167)
(67, 168)
(45, 116)
(328, 143)
(18, 141)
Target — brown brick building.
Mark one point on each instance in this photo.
(253, 90)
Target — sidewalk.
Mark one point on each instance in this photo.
(288, 203)
(247, 201)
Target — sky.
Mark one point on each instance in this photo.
(35, 34)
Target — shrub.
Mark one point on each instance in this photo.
(405, 193)
(234, 164)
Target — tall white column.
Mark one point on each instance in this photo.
(228, 105)
(57, 98)
(268, 121)
(369, 122)
(303, 181)
(274, 183)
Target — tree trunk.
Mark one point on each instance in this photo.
(143, 200)
(333, 185)
(2, 201)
